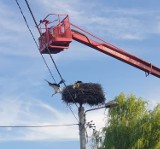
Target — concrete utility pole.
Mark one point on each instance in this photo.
(82, 121)
(82, 129)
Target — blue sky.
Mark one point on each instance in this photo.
(26, 98)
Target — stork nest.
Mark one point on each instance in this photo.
(84, 93)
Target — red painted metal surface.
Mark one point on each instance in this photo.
(57, 38)
(117, 53)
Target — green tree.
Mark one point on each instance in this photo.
(149, 130)
(131, 125)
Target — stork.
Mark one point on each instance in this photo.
(77, 84)
(56, 86)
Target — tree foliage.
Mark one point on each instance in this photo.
(131, 125)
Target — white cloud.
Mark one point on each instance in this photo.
(129, 11)
(99, 118)
(23, 74)
(71, 7)
(16, 39)
(157, 28)
(130, 24)
(14, 111)
(116, 23)
(154, 97)
(153, 103)
(34, 112)
(12, 23)
(28, 111)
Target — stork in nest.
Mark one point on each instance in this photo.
(77, 84)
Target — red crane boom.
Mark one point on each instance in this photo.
(56, 38)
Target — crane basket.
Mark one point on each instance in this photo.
(55, 35)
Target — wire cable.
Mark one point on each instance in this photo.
(36, 126)
(49, 52)
(32, 16)
(34, 38)
(26, 23)
(73, 112)
(28, 6)
(47, 49)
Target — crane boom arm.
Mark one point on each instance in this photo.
(117, 53)
(56, 38)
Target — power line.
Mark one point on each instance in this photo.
(26, 23)
(36, 126)
(33, 17)
(34, 38)
(73, 113)
(28, 6)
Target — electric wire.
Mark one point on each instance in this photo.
(28, 6)
(49, 52)
(36, 126)
(47, 49)
(32, 16)
(33, 38)
(73, 112)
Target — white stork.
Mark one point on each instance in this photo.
(56, 86)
